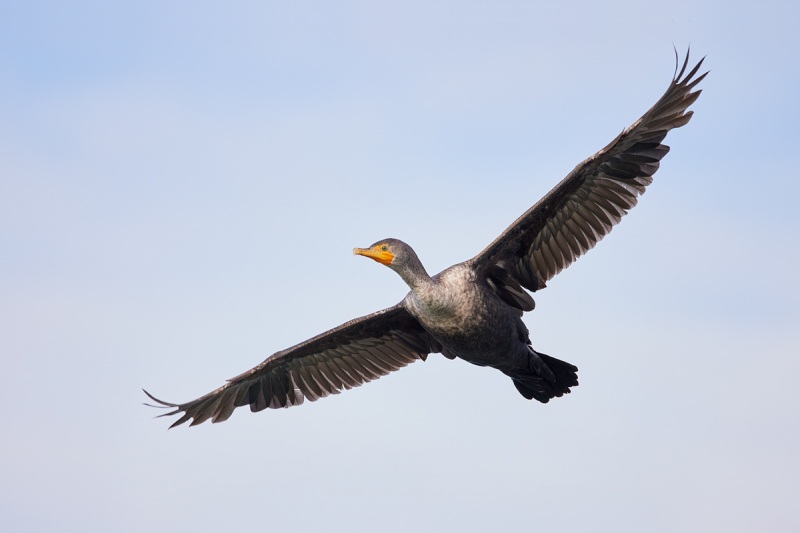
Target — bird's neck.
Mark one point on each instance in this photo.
(415, 275)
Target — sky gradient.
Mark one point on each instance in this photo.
(181, 187)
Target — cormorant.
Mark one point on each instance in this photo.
(472, 310)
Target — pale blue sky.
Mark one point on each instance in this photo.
(180, 189)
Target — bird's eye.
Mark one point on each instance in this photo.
(384, 248)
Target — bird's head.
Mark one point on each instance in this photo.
(389, 252)
(395, 254)
(400, 257)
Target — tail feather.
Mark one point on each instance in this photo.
(549, 378)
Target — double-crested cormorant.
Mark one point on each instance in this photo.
(472, 310)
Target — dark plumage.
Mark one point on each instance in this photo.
(471, 310)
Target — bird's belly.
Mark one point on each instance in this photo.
(478, 344)
(482, 332)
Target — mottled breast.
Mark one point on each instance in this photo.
(464, 315)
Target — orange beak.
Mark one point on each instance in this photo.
(384, 258)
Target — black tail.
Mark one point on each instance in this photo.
(549, 378)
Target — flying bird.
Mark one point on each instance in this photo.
(472, 310)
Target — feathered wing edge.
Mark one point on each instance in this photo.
(593, 198)
(356, 352)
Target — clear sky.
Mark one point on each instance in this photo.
(181, 186)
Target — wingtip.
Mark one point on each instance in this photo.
(678, 76)
(163, 404)
(677, 60)
(180, 421)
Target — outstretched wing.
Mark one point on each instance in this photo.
(583, 208)
(345, 357)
